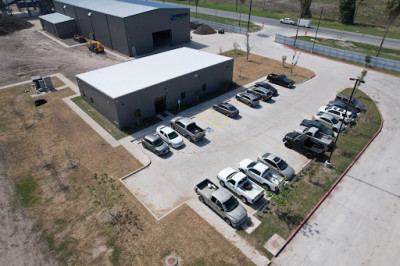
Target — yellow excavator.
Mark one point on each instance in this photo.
(95, 46)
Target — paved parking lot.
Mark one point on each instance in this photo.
(170, 179)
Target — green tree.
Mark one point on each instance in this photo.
(347, 9)
(305, 8)
(197, 4)
(392, 11)
(105, 192)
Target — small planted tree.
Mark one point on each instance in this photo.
(248, 46)
(105, 193)
(236, 48)
(367, 60)
(284, 57)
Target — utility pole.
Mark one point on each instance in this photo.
(248, 23)
(328, 163)
(316, 32)
(297, 31)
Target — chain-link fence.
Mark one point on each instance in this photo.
(339, 53)
(217, 26)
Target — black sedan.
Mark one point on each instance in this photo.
(267, 86)
(262, 93)
(280, 80)
(226, 109)
(312, 123)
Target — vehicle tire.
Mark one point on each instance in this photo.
(288, 145)
(144, 146)
(214, 108)
(249, 104)
(201, 199)
(228, 222)
(222, 183)
(266, 187)
(309, 155)
(242, 198)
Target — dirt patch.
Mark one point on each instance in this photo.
(345, 44)
(204, 30)
(257, 67)
(11, 24)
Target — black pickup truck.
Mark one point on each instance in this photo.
(280, 80)
(303, 143)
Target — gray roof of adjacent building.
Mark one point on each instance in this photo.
(122, 79)
(55, 18)
(117, 8)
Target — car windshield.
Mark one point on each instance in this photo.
(158, 142)
(172, 135)
(282, 165)
(286, 79)
(335, 121)
(252, 164)
(231, 108)
(354, 101)
(231, 204)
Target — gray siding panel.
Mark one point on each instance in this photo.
(215, 77)
(100, 28)
(66, 29)
(49, 27)
(85, 24)
(101, 102)
(118, 34)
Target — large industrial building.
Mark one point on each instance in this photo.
(128, 92)
(132, 27)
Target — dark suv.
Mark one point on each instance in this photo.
(359, 106)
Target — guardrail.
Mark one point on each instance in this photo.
(217, 26)
(339, 53)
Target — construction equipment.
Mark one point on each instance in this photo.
(95, 47)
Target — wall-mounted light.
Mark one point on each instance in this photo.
(196, 76)
(64, 6)
(89, 14)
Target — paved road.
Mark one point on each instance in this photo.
(291, 30)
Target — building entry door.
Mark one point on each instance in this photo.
(160, 105)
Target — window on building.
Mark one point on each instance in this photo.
(183, 95)
(83, 94)
(204, 87)
(91, 100)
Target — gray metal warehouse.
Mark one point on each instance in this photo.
(59, 25)
(128, 92)
(132, 27)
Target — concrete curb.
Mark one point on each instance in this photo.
(331, 189)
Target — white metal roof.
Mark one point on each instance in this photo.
(118, 8)
(127, 77)
(55, 18)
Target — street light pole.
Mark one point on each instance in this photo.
(297, 31)
(316, 32)
(328, 163)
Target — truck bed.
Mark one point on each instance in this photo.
(206, 189)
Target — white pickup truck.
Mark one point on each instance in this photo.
(262, 174)
(222, 202)
(316, 135)
(247, 190)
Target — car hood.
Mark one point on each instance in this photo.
(176, 141)
(225, 172)
(238, 213)
(163, 147)
(244, 163)
(288, 172)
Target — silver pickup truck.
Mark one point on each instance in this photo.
(318, 137)
(222, 202)
(187, 128)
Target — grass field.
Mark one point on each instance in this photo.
(288, 209)
(363, 48)
(227, 21)
(53, 156)
(277, 10)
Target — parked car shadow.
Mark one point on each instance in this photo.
(292, 87)
(238, 117)
(168, 155)
(258, 106)
(271, 101)
(201, 143)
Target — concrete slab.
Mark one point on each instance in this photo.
(274, 244)
(251, 224)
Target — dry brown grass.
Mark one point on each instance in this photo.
(51, 146)
(257, 67)
(57, 82)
